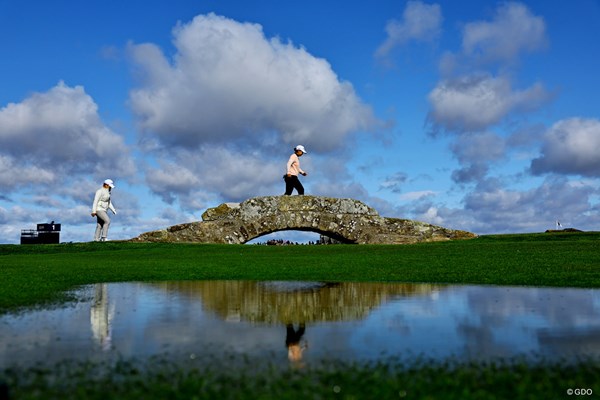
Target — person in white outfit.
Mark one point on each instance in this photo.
(100, 209)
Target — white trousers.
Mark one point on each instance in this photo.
(103, 222)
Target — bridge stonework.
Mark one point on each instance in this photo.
(346, 220)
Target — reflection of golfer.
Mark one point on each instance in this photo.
(293, 169)
(101, 316)
(292, 342)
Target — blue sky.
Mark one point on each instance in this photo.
(474, 115)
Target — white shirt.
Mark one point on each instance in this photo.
(102, 201)
(293, 165)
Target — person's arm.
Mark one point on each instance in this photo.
(111, 207)
(95, 203)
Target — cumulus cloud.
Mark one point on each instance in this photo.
(220, 117)
(194, 180)
(13, 174)
(420, 22)
(474, 103)
(570, 146)
(51, 136)
(228, 82)
(513, 30)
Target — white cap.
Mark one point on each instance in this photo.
(301, 148)
(110, 183)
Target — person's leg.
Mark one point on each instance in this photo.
(298, 186)
(104, 222)
(289, 185)
(98, 231)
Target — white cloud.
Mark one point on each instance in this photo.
(474, 103)
(432, 216)
(228, 82)
(218, 172)
(570, 146)
(51, 136)
(222, 115)
(13, 174)
(420, 22)
(417, 195)
(513, 30)
(170, 179)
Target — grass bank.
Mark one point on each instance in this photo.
(389, 379)
(41, 274)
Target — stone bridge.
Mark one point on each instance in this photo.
(346, 220)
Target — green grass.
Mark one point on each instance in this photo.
(42, 275)
(387, 379)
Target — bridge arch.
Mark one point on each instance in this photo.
(276, 235)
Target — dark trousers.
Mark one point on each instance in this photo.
(293, 336)
(292, 182)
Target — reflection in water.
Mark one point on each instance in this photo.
(292, 342)
(101, 315)
(348, 321)
(278, 302)
(285, 302)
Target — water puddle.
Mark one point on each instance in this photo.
(306, 322)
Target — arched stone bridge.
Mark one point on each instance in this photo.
(346, 220)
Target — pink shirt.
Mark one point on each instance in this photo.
(293, 165)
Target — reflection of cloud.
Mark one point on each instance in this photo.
(571, 308)
(551, 317)
(585, 341)
(480, 339)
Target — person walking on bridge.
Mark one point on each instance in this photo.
(292, 170)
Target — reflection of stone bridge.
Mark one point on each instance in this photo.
(346, 220)
(275, 302)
